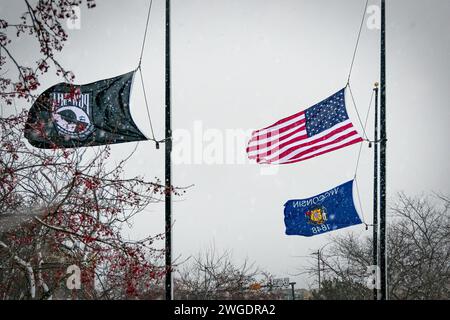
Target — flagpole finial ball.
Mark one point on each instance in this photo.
(376, 84)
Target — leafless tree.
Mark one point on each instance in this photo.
(419, 248)
(418, 254)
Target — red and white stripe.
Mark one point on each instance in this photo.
(287, 141)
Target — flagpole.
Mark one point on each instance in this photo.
(375, 195)
(383, 264)
(168, 163)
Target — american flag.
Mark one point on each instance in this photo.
(322, 128)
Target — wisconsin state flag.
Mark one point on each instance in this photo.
(328, 211)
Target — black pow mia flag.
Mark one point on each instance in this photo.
(72, 116)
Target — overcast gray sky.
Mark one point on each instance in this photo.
(244, 64)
